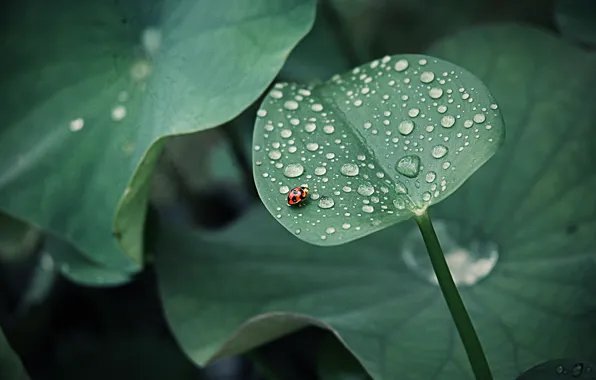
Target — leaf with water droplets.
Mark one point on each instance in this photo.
(374, 145)
(11, 367)
(86, 104)
(518, 237)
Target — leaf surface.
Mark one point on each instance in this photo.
(91, 90)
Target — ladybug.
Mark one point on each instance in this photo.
(297, 195)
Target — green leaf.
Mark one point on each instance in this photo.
(320, 54)
(334, 362)
(86, 103)
(375, 145)
(79, 269)
(532, 204)
(17, 239)
(576, 20)
(11, 367)
(559, 369)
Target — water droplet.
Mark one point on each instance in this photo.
(368, 209)
(405, 127)
(274, 155)
(285, 133)
(77, 124)
(430, 177)
(312, 146)
(310, 127)
(328, 129)
(427, 77)
(426, 196)
(468, 123)
(413, 112)
(493, 106)
(326, 202)
(446, 165)
(291, 105)
(439, 151)
(262, 113)
(293, 170)
(447, 121)
(320, 170)
(577, 370)
(330, 230)
(401, 188)
(316, 107)
(401, 65)
(346, 226)
(560, 369)
(366, 189)
(408, 165)
(479, 118)
(284, 189)
(435, 93)
(350, 170)
(118, 113)
(399, 204)
(276, 94)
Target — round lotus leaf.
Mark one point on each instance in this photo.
(375, 145)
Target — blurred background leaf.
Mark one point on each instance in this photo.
(79, 268)
(576, 20)
(85, 101)
(11, 367)
(17, 239)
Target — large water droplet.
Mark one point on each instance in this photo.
(350, 170)
(284, 189)
(293, 170)
(366, 189)
(408, 165)
(405, 127)
(326, 202)
(439, 151)
(447, 121)
(401, 188)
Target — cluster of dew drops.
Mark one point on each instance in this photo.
(413, 106)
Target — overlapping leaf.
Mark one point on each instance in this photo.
(534, 200)
(89, 89)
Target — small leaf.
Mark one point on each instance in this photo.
(87, 103)
(577, 20)
(375, 145)
(560, 369)
(80, 269)
(11, 367)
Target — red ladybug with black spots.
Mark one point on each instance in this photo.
(297, 195)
